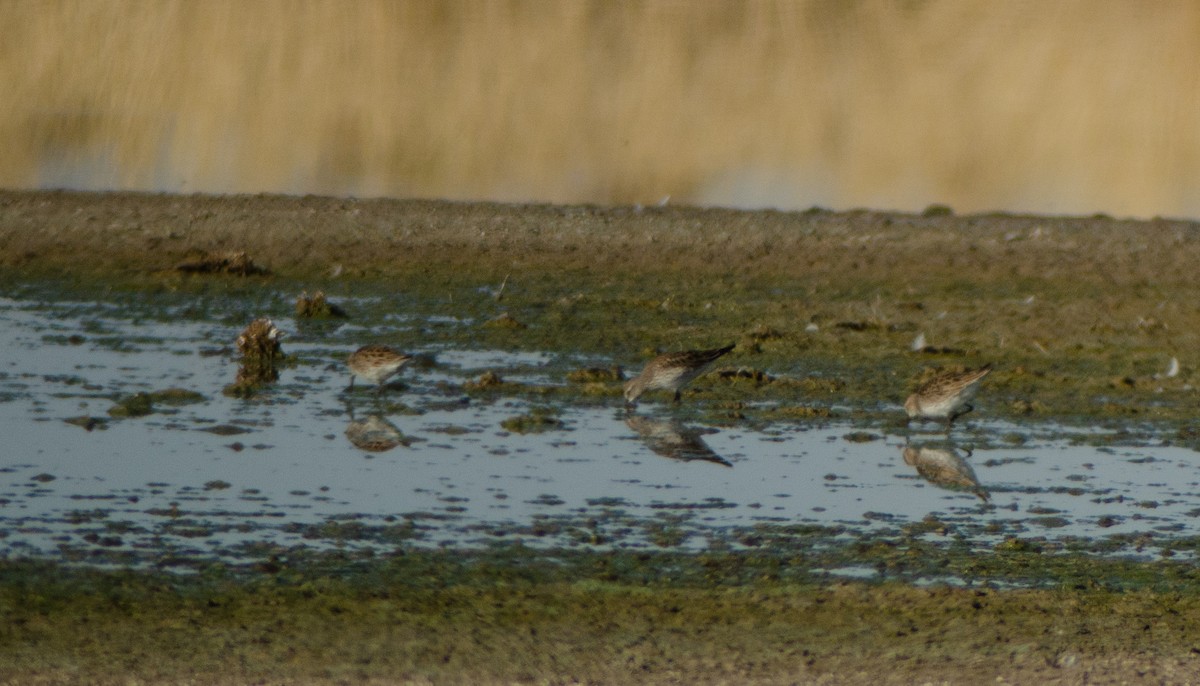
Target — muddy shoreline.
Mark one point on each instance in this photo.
(306, 236)
(1081, 317)
(434, 619)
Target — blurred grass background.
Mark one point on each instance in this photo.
(1073, 106)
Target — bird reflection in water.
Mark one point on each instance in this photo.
(672, 439)
(375, 434)
(945, 468)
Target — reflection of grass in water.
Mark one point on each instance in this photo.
(769, 102)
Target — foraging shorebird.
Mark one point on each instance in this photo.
(946, 396)
(376, 364)
(672, 371)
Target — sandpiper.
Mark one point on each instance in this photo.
(376, 364)
(672, 371)
(947, 395)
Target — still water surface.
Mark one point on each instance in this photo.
(309, 465)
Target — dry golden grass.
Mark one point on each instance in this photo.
(1072, 106)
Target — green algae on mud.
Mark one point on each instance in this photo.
(1080, 316)
(799, 373)
(488, 618)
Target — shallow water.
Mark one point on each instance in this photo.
(238, 480)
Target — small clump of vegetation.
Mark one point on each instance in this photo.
(537, 420)
(136, 405)
(317, 306)
(141, 404)
(261, 355)
(88, 423)
(938, 210)
(800, 412)
(177, 396)
(236, 263)
(505, 321)
(596, 375)
(757, 377)
(487, 381)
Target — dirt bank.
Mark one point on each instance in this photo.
(299, 235)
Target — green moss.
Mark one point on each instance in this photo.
(88, 423)
(799, 412)
(537, 420)
(596, 375)
(505, 321)
(826, 308)
(490, 381)
(177, 396)
(136, 405)
(317, 306)
(449, 616)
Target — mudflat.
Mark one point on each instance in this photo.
(1081, 318)
(856, 250)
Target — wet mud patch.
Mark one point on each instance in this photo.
(487, 611)
(783, 471)
(527, 459)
